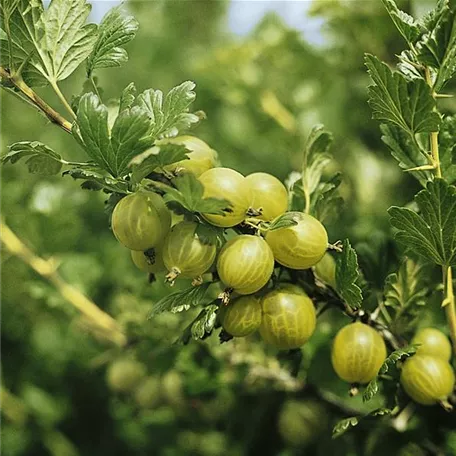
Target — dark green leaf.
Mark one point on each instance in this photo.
(209, 234)
(181, 300)
(432, 233)
(116, 30)
(346, 276)
(408, 65)
(408, 105)
(287, 219)
(406, 151)
(447, 144)
(408, 27)
(397, 355)
(325, 202)
(41, 159)
(189, 194)
(128, 129)
(371, 390)
(437, 47)
(344, 425)
(112, 153)
(94, 180)
(406, 288)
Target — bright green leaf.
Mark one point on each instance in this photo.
(168, 115)
(406, 104)
(41, 158)
(67, 40)
(432, 232)
(127, 97)
(282, 221)
(116, 30)
(397, 355)
(205, 322)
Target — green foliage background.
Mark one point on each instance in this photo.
(212, 399)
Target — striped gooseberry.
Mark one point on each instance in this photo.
(299, 246)
(245, 264)
(200, 158)
(432, 342)
(141, 220)
(289, 317)
(225, 183)
(325, 270)
(184, 253)
(269, 194)
(427, 379)
(358, 352)
(242, 316)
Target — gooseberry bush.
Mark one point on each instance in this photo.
(252, 252)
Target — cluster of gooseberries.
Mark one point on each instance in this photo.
(283, 314)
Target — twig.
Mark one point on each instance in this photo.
(47, 269)
(36, 100)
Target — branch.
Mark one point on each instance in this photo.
(36, 100)
(103, 322)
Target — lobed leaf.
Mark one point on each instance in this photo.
(432, 233)
(205, 322)
(116, 29)
(447, 146)
(181, 300)
(437, 47)
(406, 151)
(94, 180)
(406, 288)
(41, 158)
(284, 220)
(407, 105)
(395, 356)
(344, 425)
(347, 274)
(408, 27)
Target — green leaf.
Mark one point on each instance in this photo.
(188, 194)
(371, 390)
(116, 29)
(169, 115)
(181, 300)
(408, 105)
(432, 233)
(406, 288)
(94, 180)
(128, 129)
(347, 274)
(395, 356)
(437, 47)
(114, 151)
(408, 27)
(447, 146)
(406, 151)
(210, 234)
(41, 158)
(344, 425)
(315, 158)
(48, 45)
(282, 221)
(205, 322)
(159, 157)
(326, 203)
(127, 97)
(67, 40)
